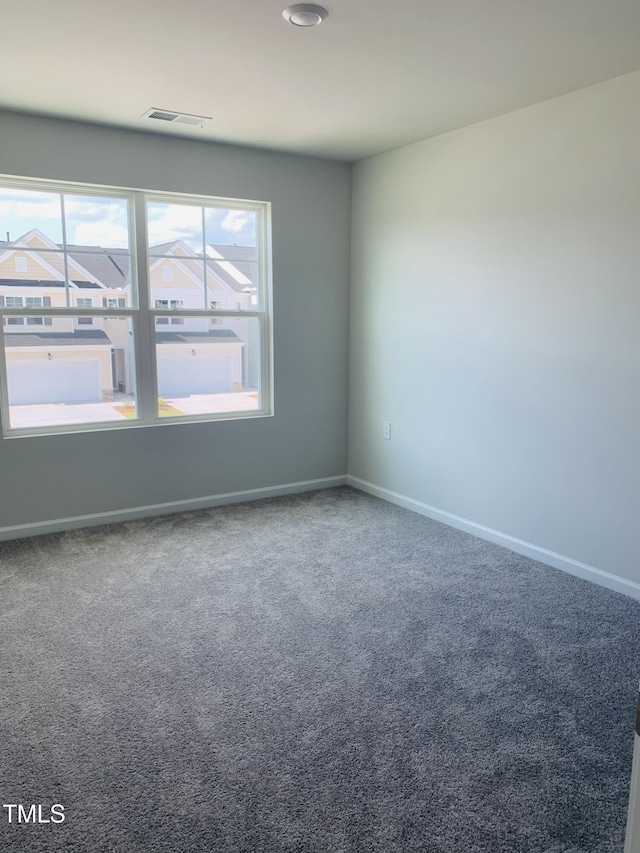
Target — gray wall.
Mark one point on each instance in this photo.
(495, 312)
(67, 475)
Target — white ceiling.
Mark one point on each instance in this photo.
(373, 76)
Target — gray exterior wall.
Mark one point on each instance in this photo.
(495, 312)
(62, 476)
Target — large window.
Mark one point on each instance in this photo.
(125, 308)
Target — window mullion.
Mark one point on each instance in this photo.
(204, 261)
(146, 390)
(4, 389)
(65, 259)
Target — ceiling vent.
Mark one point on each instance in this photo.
(176, 118)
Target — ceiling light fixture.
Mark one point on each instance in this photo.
(304, 15)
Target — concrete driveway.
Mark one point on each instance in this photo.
(57, 414)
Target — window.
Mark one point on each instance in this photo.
(173, 304)
(20, 263)
(14, 302)
(84, 302)
(113, 303)
(28, 302)
(202, 361)
(34, 302)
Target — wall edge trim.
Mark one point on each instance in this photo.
(38, 528)
(526, 549)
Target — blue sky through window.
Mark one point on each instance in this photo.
(103, 221)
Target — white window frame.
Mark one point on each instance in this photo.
(215, 304)
(170, 305)
(80, 303)
(12, 322)
(29, 302)
(143, 317)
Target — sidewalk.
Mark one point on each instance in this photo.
(56, 414)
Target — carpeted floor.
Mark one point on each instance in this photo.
(322, 673)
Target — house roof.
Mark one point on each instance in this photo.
(162, 248)
(57, 339)
(235, 267)
(223, 336)
(241, 258)
(30, 282)
(107, 265)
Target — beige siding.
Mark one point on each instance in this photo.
(118, 331)
(35, 270)
(181, 279)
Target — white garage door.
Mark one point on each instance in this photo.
(54, 382)
(181, 377)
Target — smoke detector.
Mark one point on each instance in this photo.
(176, 118)
(304, 15)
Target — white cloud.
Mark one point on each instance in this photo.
(235, 221)
(175, 222)
(106, 234)
(96, 222)
(20, 212)
(24, 204)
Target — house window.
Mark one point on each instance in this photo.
(27, 302)
(14, 302)
(34, 302)
(84, 302)
(173, 304)
(203, 363)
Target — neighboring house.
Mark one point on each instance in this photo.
(72, 359)
(205, 355)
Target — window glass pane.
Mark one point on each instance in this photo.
(229, 227)
(96, 221)
(205, 369)
(71, 247)
(174, 229)
(234, 283)
(185, 289)
(58, 373)
(24, 211)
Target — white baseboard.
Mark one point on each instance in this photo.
(20, 531)
(550, 558)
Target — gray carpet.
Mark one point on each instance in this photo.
(325, 672)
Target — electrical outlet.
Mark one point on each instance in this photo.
(386, 430)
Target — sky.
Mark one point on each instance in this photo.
(98, 221)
